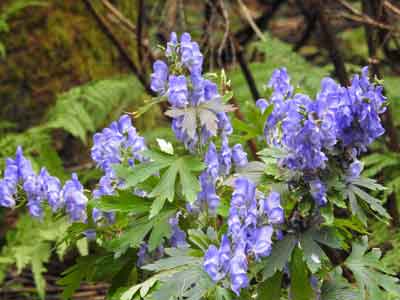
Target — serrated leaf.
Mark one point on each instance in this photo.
(300, 286)
(190, 284)
(280, 255)
(313, 254)
(161, 230)
(137, 230)
(141, 172)
(337, 288)
(374, 203)
(172, 262)
(189, 183)
(372, 277)
(166, 186)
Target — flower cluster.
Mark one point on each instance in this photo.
(217, 164)
(185, 87)
(116, 144)
(41, 187)
(340, 122)
(250, 230)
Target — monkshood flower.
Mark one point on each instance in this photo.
(318, 192)
(216, 261)
(357, 117)
(212, 162)
(144, 256)
(75, 199)
(178, 236)
(238, 269)
(116, 144)
(273, 209)
(239, 156)
(17, 171)
(354, 170)
(159, 77)
(51, 187)
(225, 157)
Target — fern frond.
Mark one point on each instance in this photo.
(85, 108)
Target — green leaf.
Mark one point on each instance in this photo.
(172, 262)
(124, 201)
(280, 255)
(300, 288)
(270, 289)
(141, 172)
(372, 277)
(313, 254)
(374, 203)
(165, 189)
(40, 256)
(337, 288)
(138, 229)
(190, 284)
(161, 230)
(189, 183)
(73, 276)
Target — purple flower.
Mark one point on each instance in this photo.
(171, 45)
(52, 188)
(190, 53)
(216, 261)
(273, 208)
(238, 270)
(239, 156)
(159, 77)
(318, 192)
(75, 199)
(262, 104)
(7, 193)
(211, 161)
(225, 157)
(261, 244)
(178, 237)
(354, 169)
(178, 91)
(280, 83)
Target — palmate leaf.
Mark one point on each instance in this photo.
(180, 276)
(371, 275)
(335, 287)
(138, 229)
(182, 167)
(280, 255)
(205, 114)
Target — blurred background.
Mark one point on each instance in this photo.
(70, 67)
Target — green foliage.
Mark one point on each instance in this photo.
(300, 287)
(85, 108)
(180, 276)
(136, 231)
(31, 243)
(174, 166)
(370, 273)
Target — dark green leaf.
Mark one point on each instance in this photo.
(280, 255)
(270, 289)
(300, 287)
